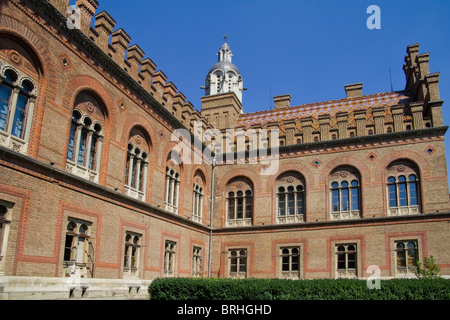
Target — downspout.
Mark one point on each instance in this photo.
(211, 216)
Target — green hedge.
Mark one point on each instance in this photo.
(278, 289)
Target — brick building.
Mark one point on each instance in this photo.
(94, 204)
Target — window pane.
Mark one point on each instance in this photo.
(412, 254)
(355, 199)
(248, 207)
(341, 261)
(401, 261)
(345, 200)
(351, 260)
(335, 200)
(231, 208)
(402, 198)
(281, 204)
(285, 262)
(391, 180)
(344, 184)
(19, 116)
(82, 150)
(291, 203)
(295, 260)
(300, 202)
(93, 153)
(335, 185)
(5, 94)
(71, 149)
(413, 193)
(240, 204)
(392, 196)
(68, 248)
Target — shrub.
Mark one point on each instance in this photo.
(430, 269)
(278, 289)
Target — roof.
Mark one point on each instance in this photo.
(224, 66)
(331, 107)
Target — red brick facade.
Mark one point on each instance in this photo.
(42, 190)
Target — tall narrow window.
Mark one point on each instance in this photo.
(403, 188)
(131, 254)
(73, 129)
(5, 97)
(238, 263)
(197, 203)
(346, 262)
(136, 168)
(290, 263)
(392, 188)
(172, 190)
(197, 262)
(78, 249)
(290, 198)
(345, 193)
(407, 256)
(169, 266)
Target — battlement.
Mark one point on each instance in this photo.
(131, 58)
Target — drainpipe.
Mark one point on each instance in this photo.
(211, 216)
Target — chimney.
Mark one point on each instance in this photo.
(88, 8)
(283, 101)
(354, 90)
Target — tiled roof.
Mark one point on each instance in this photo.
(331, 107)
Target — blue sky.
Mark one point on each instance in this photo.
(309, 49)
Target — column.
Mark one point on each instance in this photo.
(138, 174)
(12, 109)
(130, 170)
(177, 195)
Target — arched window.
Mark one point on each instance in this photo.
(171, 198)
(136, 169)
(197, 203)
(407, 256)
(345, 194)
(290, 198)
(346, 260)
(239, 193)
(78, 249)
(403, 188)
(290, 263)
(17, 100)
(238, 263)
(131, 254)
(198, 196)
(85, 141)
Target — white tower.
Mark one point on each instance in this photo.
(224, 76)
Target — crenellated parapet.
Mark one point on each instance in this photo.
(116, 43)
(354, 116)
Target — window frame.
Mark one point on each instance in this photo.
(345, 257)
(394, 188)
(238, 263)
(341, 194)
(405, 268)
(22, 88)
